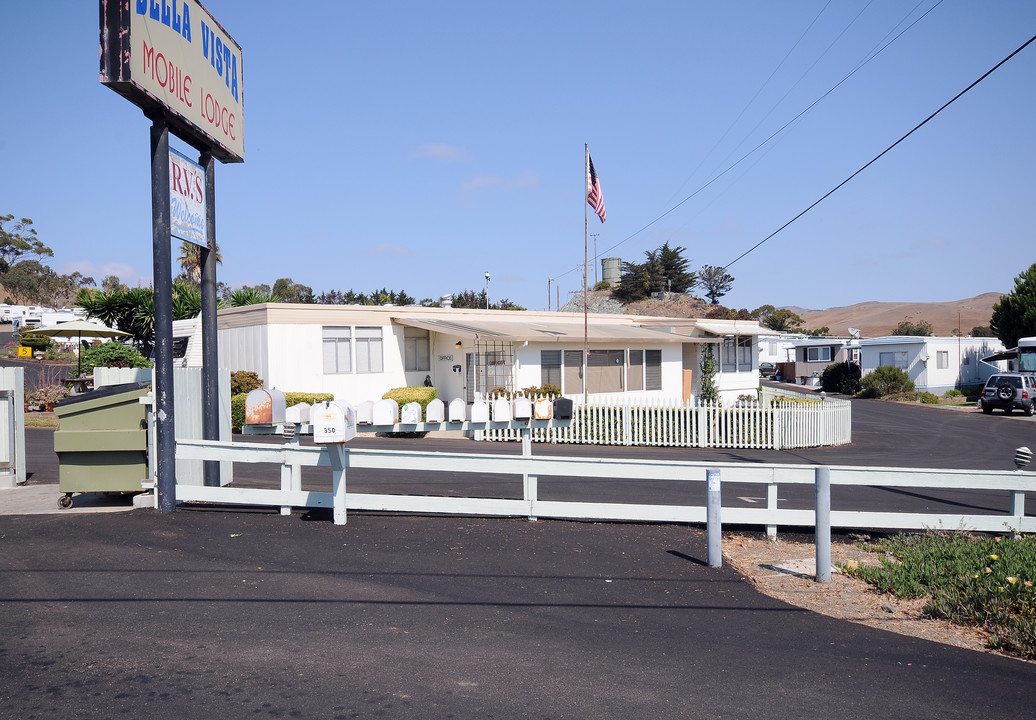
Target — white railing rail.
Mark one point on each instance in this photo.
(292, 457)
(669, 422)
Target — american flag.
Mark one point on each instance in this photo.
(594, 198)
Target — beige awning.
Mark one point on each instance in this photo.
(733, 327)
(541, 330)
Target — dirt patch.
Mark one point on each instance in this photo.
(785, 570)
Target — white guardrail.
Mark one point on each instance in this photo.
(340, 458)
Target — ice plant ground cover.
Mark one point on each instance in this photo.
(983, 581)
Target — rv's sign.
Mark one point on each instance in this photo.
(172, 56)
(187, 218)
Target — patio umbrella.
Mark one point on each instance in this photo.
(77, 329)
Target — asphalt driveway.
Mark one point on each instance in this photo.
(206, 613)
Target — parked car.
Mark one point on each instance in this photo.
(1009, 391)
(767, 369)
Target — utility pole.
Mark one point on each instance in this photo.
(549, 280)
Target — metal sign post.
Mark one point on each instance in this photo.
(163, 291)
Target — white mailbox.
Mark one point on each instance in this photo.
(386, 412)
(542, 409)
(502, 410)
(435, 412)
(410, 414)
(458, 410)
(365, 413)
(479, 412)
(522, 408)
(298, 414)
(264, 407)
(333, 422)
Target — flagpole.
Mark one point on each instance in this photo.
(586, 243)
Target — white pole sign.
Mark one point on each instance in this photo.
(187, 200)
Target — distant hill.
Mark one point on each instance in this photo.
(875, 319)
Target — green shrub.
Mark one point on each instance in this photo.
(418, 394)
(886, 380)
(841, 378)
(294, 398)
(928, 398)
(986, 582)
(237, 410)
(793, 401)
(112, 354)
(953, 394)
(36, 342)
(244, 381)
(971, 392)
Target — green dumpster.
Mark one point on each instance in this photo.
(101, 441)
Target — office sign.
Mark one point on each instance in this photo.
(172, 57)
(187, 200)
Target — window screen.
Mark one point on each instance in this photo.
(635, 375)
(550, 367)
(652, 369)
(417, 356)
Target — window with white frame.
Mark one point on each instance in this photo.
(818, 354)
(893, 359)
(416, 354)
(337, 347)
(369, 355)
(942, 359)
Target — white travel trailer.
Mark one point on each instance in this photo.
(187, 342)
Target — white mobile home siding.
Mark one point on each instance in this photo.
(922, 360)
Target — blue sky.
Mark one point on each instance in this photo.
(416, 146)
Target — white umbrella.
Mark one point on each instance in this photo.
(77, 329)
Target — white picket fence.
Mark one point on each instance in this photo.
(668, 422)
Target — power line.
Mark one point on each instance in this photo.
(755, 149)
(885, 151)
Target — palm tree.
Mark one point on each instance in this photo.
(251, 296)
(190, 260)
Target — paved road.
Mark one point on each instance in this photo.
(207, 612)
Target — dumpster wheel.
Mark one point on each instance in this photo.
(65, 501)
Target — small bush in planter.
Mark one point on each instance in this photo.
(112, 354)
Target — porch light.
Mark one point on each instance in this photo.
(459, 345)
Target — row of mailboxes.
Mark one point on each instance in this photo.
(267, 407)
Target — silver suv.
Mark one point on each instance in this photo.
(1009, 391)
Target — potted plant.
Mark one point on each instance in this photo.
(45, 397)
